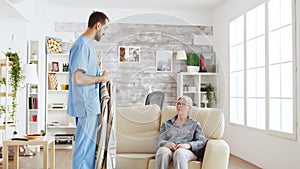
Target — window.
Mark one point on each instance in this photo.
(255, 67)
(262, 73)
(281, 99)
(237, 70)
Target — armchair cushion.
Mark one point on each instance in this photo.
(137, 128)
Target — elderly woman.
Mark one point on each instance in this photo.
(180, 138)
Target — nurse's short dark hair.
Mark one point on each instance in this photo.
(95, 17)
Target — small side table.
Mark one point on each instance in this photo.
(47, 142)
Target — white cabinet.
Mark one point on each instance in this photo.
(57, 120)
(193, 84)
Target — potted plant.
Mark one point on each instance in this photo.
(214, 68)
(43, 133)
(15, 77)
(192, 62)
(33, 89)
(15, 133)
(210, 95)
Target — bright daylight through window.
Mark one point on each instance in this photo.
(262, 71)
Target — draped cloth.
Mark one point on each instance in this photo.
(106, 134)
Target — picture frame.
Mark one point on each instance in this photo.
(55, 67)
(54, 45)
(129, 54)
(53, 83)
(207, 62)
(164, 61)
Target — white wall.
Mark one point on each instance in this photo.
(18, 29)
(264, 150)
(194, 17)
(80, 15)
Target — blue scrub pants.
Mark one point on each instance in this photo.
(85, 143)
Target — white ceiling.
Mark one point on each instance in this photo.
(8, 12)
(141, 4)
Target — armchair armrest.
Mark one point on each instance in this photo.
(216, 155)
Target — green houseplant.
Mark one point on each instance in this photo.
(214, 68)
(210, 94)
(15, 77)
(33, 88)
(193, 60)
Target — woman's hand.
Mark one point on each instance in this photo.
(185, 146)
(171, 146)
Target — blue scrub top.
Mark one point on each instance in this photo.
(83, 101)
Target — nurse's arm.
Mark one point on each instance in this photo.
(79, 78)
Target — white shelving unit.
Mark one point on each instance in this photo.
(57, 119)
(35, 118)
(189, 84)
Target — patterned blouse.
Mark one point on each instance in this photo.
(191, 132)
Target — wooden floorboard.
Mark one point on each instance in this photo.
(63, 160)
(238, 163)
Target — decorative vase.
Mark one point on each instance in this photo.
(33, 90)
(192, 68)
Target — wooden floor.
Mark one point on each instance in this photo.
(63, 159)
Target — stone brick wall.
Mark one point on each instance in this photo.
(134, 79)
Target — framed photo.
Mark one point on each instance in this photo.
(55, 67)
(53, 83)
(54, 45)
(129, 54)
(164, 61)
(207, 62)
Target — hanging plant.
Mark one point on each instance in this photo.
(15, 77)
(3, 81)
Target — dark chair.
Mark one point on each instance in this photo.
(156, 97)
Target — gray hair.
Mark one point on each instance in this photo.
(187, 99)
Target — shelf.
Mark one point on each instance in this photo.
(195, 80)
(33, 109)
(3, 63)
(65, 91)
(34, 60)
(58, 72)
(198, 73)
(63, 146)
(2, 126)
(31, 122)
(10, 94)
(192, 92)
(62, 54)
(50, 109)
(61, 127)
